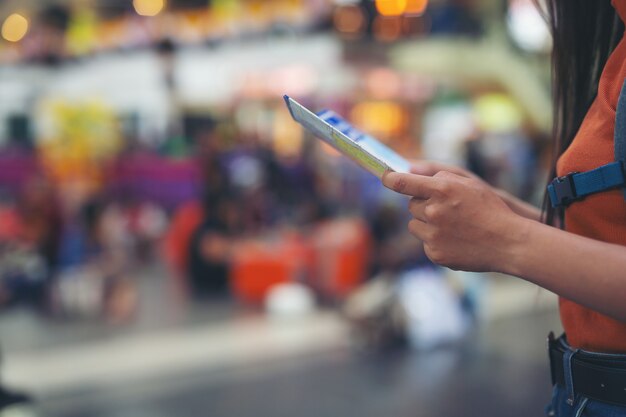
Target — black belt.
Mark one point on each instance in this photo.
(602, 379)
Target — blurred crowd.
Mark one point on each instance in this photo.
(206, 175)
(255, 218)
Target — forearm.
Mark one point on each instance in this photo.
(586, 271)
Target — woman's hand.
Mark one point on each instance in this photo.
(430, 168)
(462, 221)
(465, 224)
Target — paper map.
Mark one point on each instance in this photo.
(365, 150)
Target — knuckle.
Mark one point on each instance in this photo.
(432, 213)
(443, 187)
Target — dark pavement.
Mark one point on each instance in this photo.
(500, 370)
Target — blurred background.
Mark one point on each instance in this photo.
(172, 243)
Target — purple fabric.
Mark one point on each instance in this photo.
(164, 181)
(16, 168)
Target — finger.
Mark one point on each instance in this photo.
(430, 168)
(416, 208)
(410, 184)
(420, 230)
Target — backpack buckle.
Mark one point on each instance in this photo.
(562, 190)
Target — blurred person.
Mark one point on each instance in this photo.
(211, 247)
(467, 225)
(9, 234)
(505, 160)
(94, 262)
(262, 183)
(49, 45)
(41, 219)
(198, 241)
(134, 226)
(408, 300)
(19, 282)
(28, 245)
(394, 251)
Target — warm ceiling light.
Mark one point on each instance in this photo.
(14, 27)
(391, 7)
(148, 7)
(416, 7)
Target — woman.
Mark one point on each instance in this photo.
(465, 224)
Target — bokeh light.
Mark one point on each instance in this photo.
(148, 7)
(391, 7)
(497, 113)
(416, 7)
(14, 28)
(528, 27)
(349, 20)
(383, 83)
(383, 119)
(387, 28)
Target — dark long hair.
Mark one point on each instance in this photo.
(584, 33)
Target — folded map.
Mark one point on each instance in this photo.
(364, 149)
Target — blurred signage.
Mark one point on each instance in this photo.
(90, 29)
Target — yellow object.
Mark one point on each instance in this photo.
(15, 28)
(81, 34)
(287, 141)
(225, 9)
(382, 119)
(497, 113)
(148, 7)
(391, 7)
(416, 7)
(79, 139)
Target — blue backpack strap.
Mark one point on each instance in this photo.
(620, 131)
(577, 185)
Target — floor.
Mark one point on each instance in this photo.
(223, 361)
(500, 370)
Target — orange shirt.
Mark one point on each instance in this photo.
(600, 216)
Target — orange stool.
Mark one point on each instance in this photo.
(258, 266)
(342, 249)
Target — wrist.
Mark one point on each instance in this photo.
(516, 237)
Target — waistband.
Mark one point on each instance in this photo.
(599, 376)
